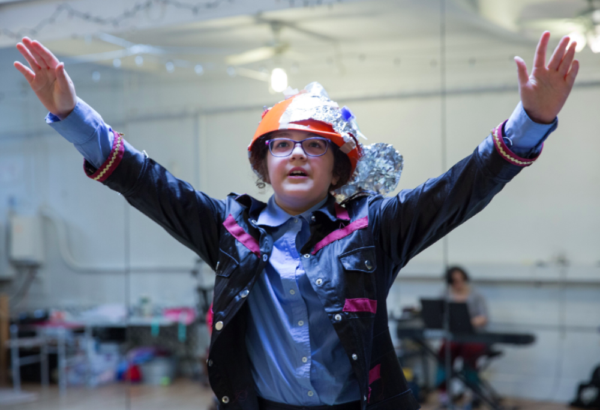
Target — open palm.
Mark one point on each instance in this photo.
(47, 78)
(545, 91)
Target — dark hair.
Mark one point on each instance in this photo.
(258, 154)
(451, 270)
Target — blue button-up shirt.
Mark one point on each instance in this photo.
(295, 354)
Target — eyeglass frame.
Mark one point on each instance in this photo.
(327, 142)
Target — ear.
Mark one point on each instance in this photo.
(335, 179)
(266, 171)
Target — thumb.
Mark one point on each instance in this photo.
(62, 77)
(522, 71)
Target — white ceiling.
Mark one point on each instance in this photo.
(337, 38)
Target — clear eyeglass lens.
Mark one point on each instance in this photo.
(312, 146)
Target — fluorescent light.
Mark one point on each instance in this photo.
(139, 60)
(593, 39)
(279, 80)
(579, 38)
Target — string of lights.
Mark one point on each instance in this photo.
(144, 6)
(115, 22)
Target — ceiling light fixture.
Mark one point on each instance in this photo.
(579, 38)
(279, 80)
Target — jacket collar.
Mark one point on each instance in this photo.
(331, 209)
(253, 205)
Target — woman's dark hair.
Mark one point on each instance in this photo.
(451, 270)
(258, 154)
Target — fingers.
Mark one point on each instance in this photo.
(33, 63)
(567, 60)
(62, 76)
(27, 73)
(46, 55)
(522, 71)
(572, 73)
(558, 54)
(540, 52)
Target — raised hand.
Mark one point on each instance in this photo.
(545, 91)
(47, 78)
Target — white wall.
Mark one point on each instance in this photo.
(549, 210)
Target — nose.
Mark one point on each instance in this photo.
(298, 151)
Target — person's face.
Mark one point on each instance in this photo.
(300, 181)
(458, 281)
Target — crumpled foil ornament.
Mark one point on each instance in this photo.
(378, 170)
(314, 103)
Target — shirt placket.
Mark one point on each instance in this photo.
(299, 319)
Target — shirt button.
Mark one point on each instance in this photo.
(304, 359)
(265, 257)
(310, 393)
(296, 220)
(292, 292)
(307, 255)
(245, 293)
(354, 357)
(313, 218)
(219, 325)
(338, 317)
(225, 399)
(301, 323)
(368, 265)
(210, 363)
(319, 282)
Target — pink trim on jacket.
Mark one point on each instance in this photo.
(341, 212)
(113, 160)
(360, 305)
(374, 375)
(244, 237)
(506, 153)
(341, 233)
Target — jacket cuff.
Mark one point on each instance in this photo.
(506, 153)
(111, 163)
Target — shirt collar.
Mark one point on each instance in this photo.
(274, 216)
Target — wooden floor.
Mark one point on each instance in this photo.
(182, 395)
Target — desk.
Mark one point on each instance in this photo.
(58, 336)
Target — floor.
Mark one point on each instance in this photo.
(182, 395)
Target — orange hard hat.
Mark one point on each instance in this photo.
(271, 121)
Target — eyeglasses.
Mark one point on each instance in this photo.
(313, 146)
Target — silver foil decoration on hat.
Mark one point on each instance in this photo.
(378, 170)
(314, 103)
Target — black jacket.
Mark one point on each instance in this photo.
(351, 262)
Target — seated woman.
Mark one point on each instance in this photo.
(460, 290)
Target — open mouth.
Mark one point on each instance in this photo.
(297, 173)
